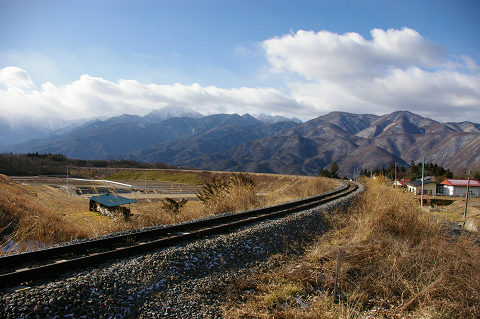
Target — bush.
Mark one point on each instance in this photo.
(173, 206)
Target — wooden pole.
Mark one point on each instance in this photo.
(395, 181)
(466, 196)
(337, 273)
(421, 196)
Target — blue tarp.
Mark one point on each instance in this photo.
(111, 200)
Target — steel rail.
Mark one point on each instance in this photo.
(21, 267)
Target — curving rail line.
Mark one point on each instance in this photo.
(46, 263)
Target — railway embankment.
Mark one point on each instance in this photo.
(185, 281)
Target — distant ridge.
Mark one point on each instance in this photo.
(355, 141)
(275, 118)
(264, 143)
(171, 111)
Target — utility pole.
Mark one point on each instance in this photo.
(466, 196)
(395, 181)
(421, 197)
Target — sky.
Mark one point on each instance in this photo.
(82, 59)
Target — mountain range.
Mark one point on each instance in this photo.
(267, 143)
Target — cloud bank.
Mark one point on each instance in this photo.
(96, 97)
(15, 78)
(322, 71)
(394, 70)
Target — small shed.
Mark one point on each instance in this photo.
(111, 205)
(458, 187)
(429, 187)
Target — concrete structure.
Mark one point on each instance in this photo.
(111, 205)
(429, 187)
(458, 187)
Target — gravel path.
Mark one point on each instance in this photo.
(185, 281)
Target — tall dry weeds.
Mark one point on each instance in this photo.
(25, 222)
(239, 193)
(287, 188)
(396, 255)
(396, 262)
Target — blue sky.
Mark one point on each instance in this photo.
(77, 59)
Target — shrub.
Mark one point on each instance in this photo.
(238, 194)
(173, 206)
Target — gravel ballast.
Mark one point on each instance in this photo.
(184, 281)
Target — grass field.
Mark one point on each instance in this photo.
(169, 176)
(455, 211)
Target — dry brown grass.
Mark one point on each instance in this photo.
(455, 211)
(283, 188)
(238, 193)
(241, 192)
(397, 262)
(45, 215)
(40, 215)
(27, 221)
(152, 213)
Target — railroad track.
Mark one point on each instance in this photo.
(51, 262)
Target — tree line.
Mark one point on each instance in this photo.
(412, 172)
(31, 164)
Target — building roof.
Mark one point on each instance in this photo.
(111, 200)
(401, 182)
(460, 182)
(418, 182)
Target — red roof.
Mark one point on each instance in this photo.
(460, 182)
(402, 181)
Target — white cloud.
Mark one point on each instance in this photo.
(395, 69)
(94, 96)
(337, 56)
(320, 71)
(15, 77)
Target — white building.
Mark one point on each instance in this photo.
(458, 187)
(429, 187)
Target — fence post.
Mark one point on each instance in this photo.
(466, 196)
(337, 273)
